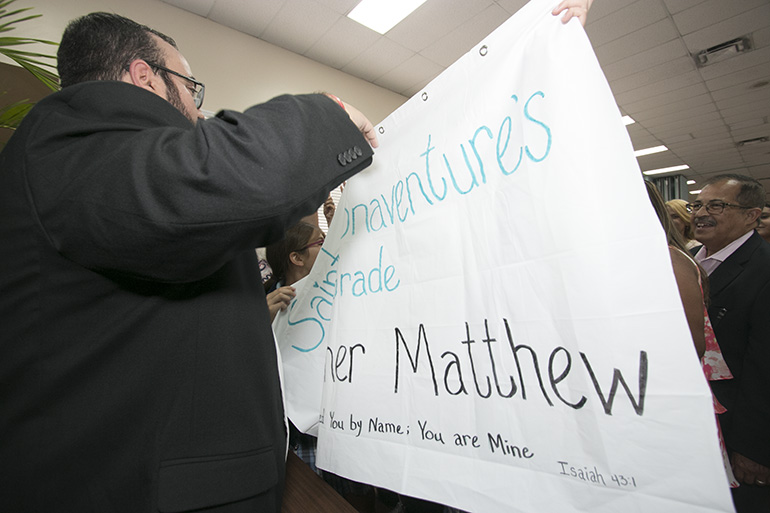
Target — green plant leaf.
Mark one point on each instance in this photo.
(14, 22)
(11, 116)
(41, 65)
(13, 41)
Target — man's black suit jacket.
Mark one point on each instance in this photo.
(138, 369)
(739, 292)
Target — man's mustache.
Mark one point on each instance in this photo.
(705, 221)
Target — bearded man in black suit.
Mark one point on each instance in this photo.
(138, 371)
(737, 259)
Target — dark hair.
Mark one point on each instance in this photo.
(99, 46)
(278, 252)
(752, 194)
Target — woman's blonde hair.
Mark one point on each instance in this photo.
(679, 206)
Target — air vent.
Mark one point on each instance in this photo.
(724, 51)
(749, 142)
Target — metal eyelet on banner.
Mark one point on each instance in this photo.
(382, 129)
(425, 97)
(483, 50)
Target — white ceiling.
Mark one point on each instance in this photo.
(645, 48)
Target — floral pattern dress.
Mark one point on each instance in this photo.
(715, 369)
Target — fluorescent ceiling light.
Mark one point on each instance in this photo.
(666, 170)
(695, 192)
(690, 182)
(628, 120)
(649, 151)
(382, 16)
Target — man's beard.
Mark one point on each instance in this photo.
(172, 96)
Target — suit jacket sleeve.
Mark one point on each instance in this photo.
(121, 182)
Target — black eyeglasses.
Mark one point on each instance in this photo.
(197, 92)
(712, 207)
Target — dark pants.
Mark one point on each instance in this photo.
(751, 499)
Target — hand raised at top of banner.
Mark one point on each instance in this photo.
(362, 122)
(572, 9)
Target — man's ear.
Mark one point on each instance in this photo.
(141, 74)
(752, 215)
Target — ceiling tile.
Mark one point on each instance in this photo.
(712, 143)
(744, 76)
(299, 24)
(340, 6)
(761, 129)
(757, 159)
(434, 20)
(658, 88)
(701, 132)
(703, 15)
(675, 6)
(247, 16)
(626, 20)
(644, 141)
(728, 29)
(762, 172)
(457, 43)
(641, 137)
(707, 120)
(670, 141)
(759, 57)
(762, 37)
(669, 98)
(658, 160)
(675, 109)
(417, 88)
(199, 7)
(512, 6)
(601, 9)
(638, 41)
(750, 96)
(743, 88)
(645, 59)
(403, 76)
(679, 66)
(750, 125)
(747, 111)
(345, 41)
(378, 59)
(667, 119)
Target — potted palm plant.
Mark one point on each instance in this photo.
(42, 66)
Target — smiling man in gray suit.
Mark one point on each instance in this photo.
(737, 260)
(138, 371)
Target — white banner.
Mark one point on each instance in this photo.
(493, 315)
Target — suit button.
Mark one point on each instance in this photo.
(341, 159)
(358, 151)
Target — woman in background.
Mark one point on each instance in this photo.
(677, 209)
(692, 280)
